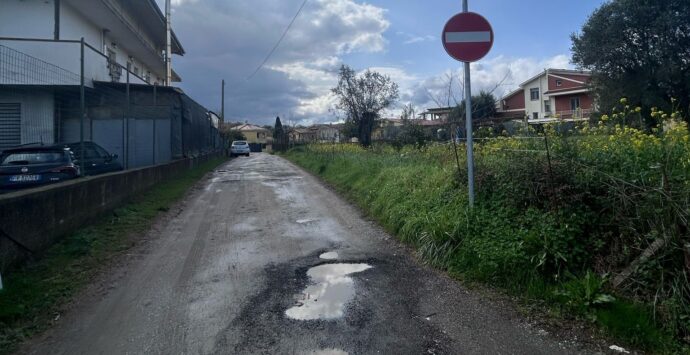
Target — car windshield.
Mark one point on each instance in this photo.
(33, 157)
(239, 143)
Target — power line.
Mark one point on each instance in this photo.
(279, 41)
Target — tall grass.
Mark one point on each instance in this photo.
(552, 227)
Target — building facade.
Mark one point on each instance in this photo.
(126, 103)
(552, 94)
(41, 61)
(128, 33)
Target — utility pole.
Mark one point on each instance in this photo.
(168, 45)
(82, 111)
(468, 125)
(222, 101)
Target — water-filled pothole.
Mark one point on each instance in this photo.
(326, 352)
(306, 221)
(331, 255)
(330, 290)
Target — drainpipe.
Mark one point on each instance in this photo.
(56, 15)
(168, 46)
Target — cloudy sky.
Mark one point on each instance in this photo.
(228, 39)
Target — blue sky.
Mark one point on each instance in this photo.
(401, 38)
(526, 28)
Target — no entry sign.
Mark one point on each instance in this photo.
(468, 37)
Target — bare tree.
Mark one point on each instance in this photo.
(363, 97)
(408, 112)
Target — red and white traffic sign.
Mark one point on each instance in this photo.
(468, 37)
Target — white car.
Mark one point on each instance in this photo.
(239, 148)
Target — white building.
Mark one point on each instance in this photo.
(327, 133)
(40, 57)
(124, 31)
(553, 93)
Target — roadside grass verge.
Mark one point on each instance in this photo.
(32, 296)
(550, 233)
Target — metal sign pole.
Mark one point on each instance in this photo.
(468, 126)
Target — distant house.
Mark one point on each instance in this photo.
(327, 133)
(254, 134)
(390, 128)
(387, 128)
(437, 114)
(552, 94)
(302, 135)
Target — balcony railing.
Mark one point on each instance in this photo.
(57, 62)
(578, 114)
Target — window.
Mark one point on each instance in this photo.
(559, 83)
(534, 94)
(535, 115)
(574, 103)
(114, 69)
(547, 106)
(33, 157)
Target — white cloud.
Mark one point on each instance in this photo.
(228, 39)
(412, 38)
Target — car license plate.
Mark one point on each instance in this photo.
(25, 178)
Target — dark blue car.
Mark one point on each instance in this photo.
(96, 159)
(34, 165)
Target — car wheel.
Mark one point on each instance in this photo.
(247, 154)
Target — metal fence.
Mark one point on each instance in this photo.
(103, 102)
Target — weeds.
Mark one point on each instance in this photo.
(544, 229)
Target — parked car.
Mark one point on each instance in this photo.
(96, 159)
(239, 148)
(33, 165)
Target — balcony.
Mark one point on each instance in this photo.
(50, 62)
(579, 114)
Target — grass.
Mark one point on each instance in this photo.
(33, 294)
(524, 249)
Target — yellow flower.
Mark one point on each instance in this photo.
(673, 99)
(624, 101)
(638, 109)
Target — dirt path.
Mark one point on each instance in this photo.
(242, 270)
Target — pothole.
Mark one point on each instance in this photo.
(306, 221)
(330, 290)
(331, 255)
(326, 352)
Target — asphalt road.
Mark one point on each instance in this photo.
(263, 258)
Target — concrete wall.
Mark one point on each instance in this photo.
(27, 18)
(74, 26)
(40, 217)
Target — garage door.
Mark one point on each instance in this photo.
(10, 125)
